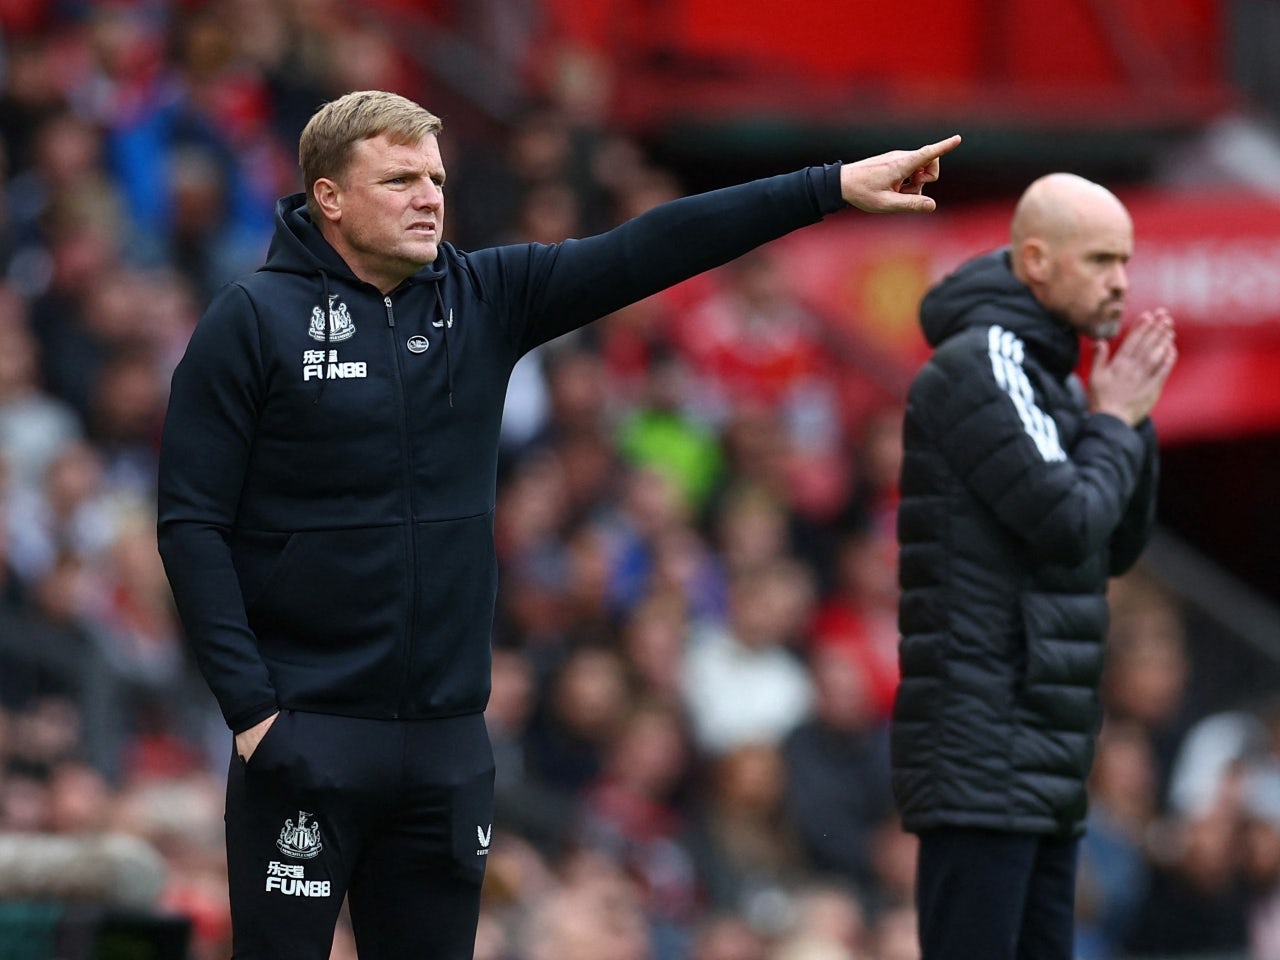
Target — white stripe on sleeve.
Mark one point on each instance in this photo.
(1006, 352)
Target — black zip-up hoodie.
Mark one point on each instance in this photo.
(327, 476)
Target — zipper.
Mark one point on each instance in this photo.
(405, 460)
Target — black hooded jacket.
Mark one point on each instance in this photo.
(1017, 505)
(328, 464)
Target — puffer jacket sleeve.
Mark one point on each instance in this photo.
(998, 433)
(1131, 537)
(215, 396)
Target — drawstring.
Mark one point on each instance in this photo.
(445, 323)
(328, 333)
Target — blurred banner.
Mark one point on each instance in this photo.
(1141, 60)
(1213, 260)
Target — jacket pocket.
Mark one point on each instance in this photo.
(1064, 657)
(332, 591)
(257, 555)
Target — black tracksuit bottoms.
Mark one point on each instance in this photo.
(395, 815)
(996, 896)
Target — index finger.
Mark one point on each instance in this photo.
(1149, 333)
(931, 152)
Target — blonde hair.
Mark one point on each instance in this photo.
(327, 141)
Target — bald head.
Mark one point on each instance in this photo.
(1059, 205)
(1070, 239)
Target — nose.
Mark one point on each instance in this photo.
(430, 196)
(1119, 278)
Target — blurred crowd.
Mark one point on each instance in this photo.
(695, 655)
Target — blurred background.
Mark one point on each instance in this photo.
(695, 652)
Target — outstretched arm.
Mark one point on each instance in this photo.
(562, 286)
(894, 182)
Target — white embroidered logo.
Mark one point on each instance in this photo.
(302, 841)
(483, 836)
(341, 326)
(417, 344)
(291, 880)
(317, 365)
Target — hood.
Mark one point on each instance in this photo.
(297, 246)
(984, 292)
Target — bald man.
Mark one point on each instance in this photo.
(1023, 490)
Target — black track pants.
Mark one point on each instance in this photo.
(395, 814)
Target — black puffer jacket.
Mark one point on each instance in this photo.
(1017, 504)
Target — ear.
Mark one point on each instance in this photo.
(1035, 261)
(328, 196)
